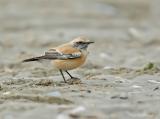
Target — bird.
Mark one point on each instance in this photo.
(67, 56)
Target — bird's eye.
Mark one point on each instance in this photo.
(80, 42)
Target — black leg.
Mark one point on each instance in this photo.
(69, 74)
(62, 75)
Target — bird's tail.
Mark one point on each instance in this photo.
(33, 59)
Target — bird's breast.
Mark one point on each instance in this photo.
(70, 64)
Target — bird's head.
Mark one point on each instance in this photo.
(81, 43)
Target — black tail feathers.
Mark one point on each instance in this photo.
(32, 59)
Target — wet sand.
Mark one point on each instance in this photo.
(120, 79)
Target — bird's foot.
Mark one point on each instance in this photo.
(74, 80)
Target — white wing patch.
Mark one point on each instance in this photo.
(73, 55)
(77, 54)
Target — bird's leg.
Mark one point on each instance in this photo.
(62, 75)
(73, 80)
(69, 74)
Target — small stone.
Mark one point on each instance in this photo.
(155, 88)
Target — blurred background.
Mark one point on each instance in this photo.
(30, 27)
(127, 40)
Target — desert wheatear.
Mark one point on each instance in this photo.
(66, 56)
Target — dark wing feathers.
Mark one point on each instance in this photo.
(61, 56)
(53, 54)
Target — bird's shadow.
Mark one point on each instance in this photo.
(73, 81)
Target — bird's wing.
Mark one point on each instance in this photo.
(61, 54)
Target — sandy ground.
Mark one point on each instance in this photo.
(120, 79)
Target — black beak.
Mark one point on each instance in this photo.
(90, 42)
